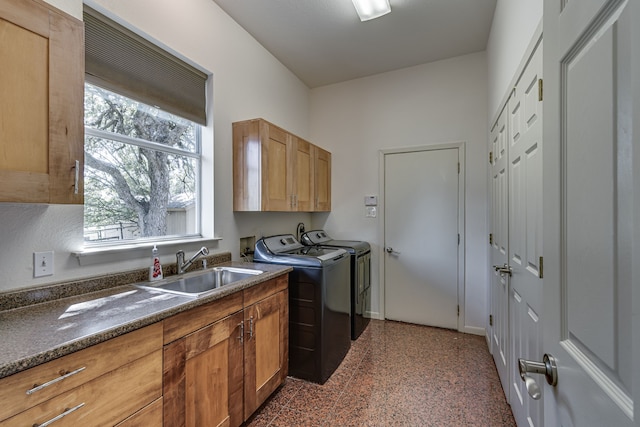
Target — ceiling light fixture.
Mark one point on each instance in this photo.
(370, 9)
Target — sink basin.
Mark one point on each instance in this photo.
(197, 285)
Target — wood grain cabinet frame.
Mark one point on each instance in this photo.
(274, 170)
(266, 347)
(104, 384)
(234, 356)
(41, 107)
(203, 376)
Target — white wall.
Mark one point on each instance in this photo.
(435, 103)
(514, 24)
(248, 82)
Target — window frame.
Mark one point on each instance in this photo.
(197, 155)
(91, 252)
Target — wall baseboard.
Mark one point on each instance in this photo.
(467, 329)
(474, 330)
(373, 315)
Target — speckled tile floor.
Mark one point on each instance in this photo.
(397, 374)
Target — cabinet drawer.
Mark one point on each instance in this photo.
(149, 416)
(189, 321)
(26, 389)
(105, 400)
(263, 290)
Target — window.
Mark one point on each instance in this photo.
(141, 170)
(144, 108)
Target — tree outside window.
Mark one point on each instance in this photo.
(141, 170)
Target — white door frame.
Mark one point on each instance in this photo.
(461, 221)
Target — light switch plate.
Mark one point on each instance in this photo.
(371, 212)
(370, 200)
(43, 264)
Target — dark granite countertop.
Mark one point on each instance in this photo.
(37, 333)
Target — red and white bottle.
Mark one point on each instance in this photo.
(155, 271)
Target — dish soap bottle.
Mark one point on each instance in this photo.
(155, 271)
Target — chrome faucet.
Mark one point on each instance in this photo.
(182, 265)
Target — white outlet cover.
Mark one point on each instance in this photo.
(43, 264)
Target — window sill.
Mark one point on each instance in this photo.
(109, 253)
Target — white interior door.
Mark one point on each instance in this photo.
(525, 235)
(591, 221)
(499, 241)
(421, 237)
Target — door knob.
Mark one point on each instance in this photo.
(503, 269)
(391, 251)
(547, 367)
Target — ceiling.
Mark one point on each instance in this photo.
(323, 41)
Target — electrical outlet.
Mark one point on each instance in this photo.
(43, 264)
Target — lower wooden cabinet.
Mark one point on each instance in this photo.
(203, 376)
(219, 363)
(149, 416)
(266, 355)
(220, 373)
(101, 385)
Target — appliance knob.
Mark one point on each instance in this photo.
(284, 242)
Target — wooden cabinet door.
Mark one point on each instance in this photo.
(247, 160)
(203, 376)
(41, 107)
(66, 110)
(277, 168)
(266, 349)
(304, 189)
(322, 172)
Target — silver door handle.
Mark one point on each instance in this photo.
(503, 269)
(77, 177)
(391, 251)
(547, 367)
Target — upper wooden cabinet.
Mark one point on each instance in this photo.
(41, 107)
(274, 170)
(322, 179)
(303, 186)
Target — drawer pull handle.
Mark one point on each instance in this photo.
(60, 378)
(77, 177)
(250, 327)
(62, 415)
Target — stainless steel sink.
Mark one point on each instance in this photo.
(201, 283)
